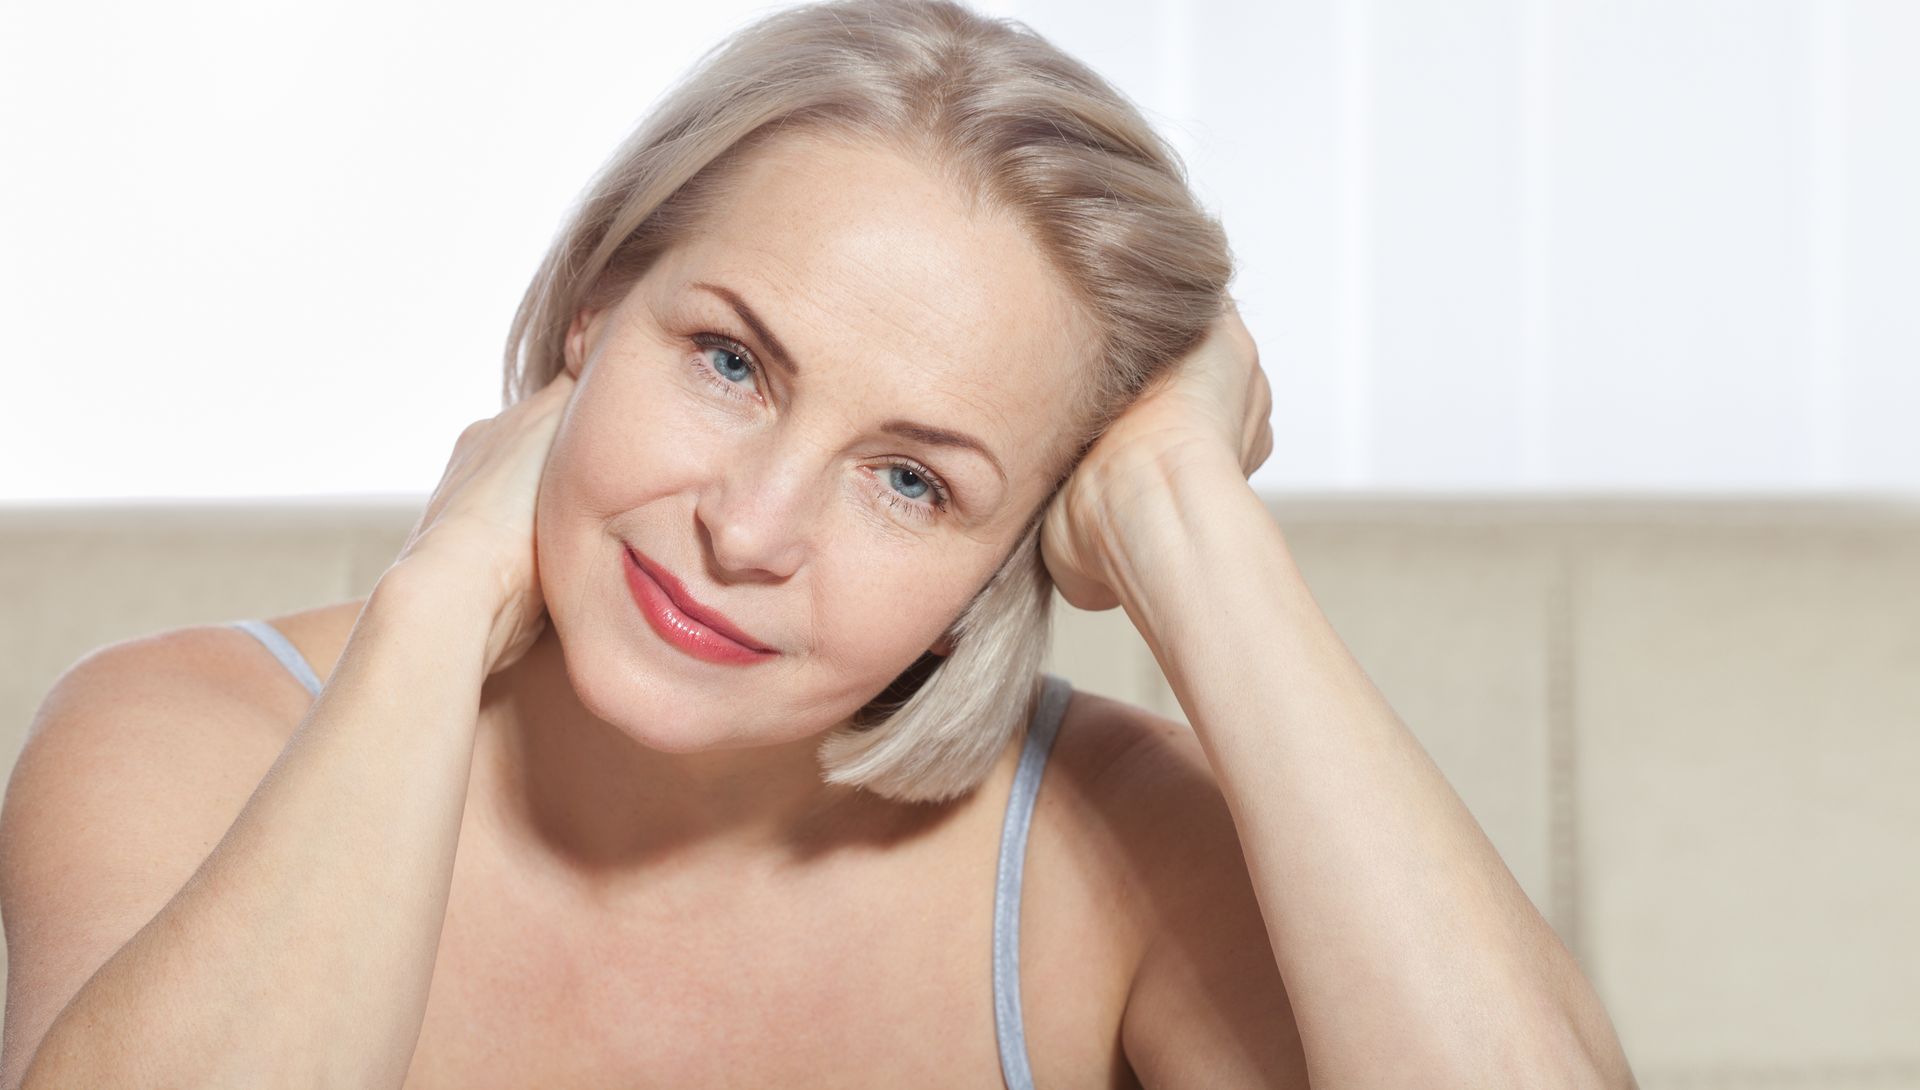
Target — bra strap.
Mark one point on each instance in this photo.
(283, 650)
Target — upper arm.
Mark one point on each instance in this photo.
(1207, 1006)
(135, 765)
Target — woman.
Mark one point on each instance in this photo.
(680, 742)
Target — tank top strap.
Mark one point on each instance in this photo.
(284, 650)
(1007, 1022)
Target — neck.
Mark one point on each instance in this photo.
(584, 794)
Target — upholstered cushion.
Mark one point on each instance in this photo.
(1691, 728)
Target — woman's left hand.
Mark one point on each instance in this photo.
(1213, 404)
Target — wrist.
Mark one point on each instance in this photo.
(433, 602)
(1148, 508)
(1205, 573)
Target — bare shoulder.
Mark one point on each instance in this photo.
(1206, 1004)
(196, 676)
(140, 756)
(319, 634)
(192, 714)
(1144, 775)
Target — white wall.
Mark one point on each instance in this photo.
(1544, 245)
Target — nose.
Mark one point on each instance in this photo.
(757, 508)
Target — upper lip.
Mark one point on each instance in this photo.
(691, 606)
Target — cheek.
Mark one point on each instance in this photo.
(877, 605)
(633, 437)
(613, 454)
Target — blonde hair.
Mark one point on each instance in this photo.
(1023, 128)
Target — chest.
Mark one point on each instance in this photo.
(885, 981)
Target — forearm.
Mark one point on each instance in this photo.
(301, 951)
(1411, 956)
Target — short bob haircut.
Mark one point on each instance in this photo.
(1024, 129)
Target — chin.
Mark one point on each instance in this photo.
(664, 711)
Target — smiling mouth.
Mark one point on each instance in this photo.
(665, 602)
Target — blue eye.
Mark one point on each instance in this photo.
(921, 481)
(743, 361)
(923, 484)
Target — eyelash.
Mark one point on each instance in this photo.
(915, 508)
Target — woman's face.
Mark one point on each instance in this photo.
(801, 502)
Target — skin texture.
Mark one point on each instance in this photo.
(621, 910)
(767, 495)
(1390, 915)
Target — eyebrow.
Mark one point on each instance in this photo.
(905, 429)
(772, 343)
(941, 437)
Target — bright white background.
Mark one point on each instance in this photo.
(272, 248)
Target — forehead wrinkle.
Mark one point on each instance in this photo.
(990, 435)
(804, 284)
(904, 339)
(874, 254)
(937, 378)
(868, 374)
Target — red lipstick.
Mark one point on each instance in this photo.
(696, 629)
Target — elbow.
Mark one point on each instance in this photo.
(1569, 1053)
(1585, 1054)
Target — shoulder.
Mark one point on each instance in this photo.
(195, 695)
(1144, 776)
(1205, 999)
(319, 634)
(164, 677)
(167, 720)
(135, 764)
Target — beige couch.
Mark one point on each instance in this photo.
(1692, 728)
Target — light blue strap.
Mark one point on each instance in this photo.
(283, 650)
(1007, 1022)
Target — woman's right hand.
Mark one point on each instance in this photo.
(476, 536)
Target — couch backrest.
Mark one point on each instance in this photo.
(1692, 728)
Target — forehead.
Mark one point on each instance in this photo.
(873, 270)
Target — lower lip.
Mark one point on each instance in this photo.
(677, 628)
